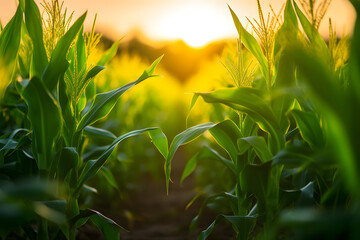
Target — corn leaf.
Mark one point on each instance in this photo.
(251, 101)
(10, 38)
(160, 141)
(69, 160)
(58, 63)
(206, 153)
(243, 225)
(21, 204)
(10, 143)
(355, 55)
(258, 180)
(288, 30)
(93, 166)
(44, 115)
(312, 33)
(339, 118)
(293, 157)
(309, 126)
(9, 46)
(34, 27)
(81, 50)
(285, 70)
(251, 44)
(66, 110)
(109, 177)
(182, 138)
(105, 102)
(109, 54)
(98, 132)
(226, 134)
(192, 104)
(258, 144)
(108, 227)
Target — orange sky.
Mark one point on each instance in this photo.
(196, 21)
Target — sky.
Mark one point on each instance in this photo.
(195, 21)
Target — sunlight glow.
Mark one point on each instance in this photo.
(197, 26)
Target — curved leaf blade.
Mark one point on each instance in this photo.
(98, 132)
(259, 145)
(251, 44)
(93, 166)
(34, 26)
(206, 153)
(109, 54)
(182, 138)
(226, 134)
(105, 102)
(9, 46)
(251, 101)
(58, 56)
(45, 118)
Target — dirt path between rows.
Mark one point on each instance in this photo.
(156, 216)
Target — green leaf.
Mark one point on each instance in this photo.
(226, 134)
(109, 54)
(333, 103)
(34, 26)
(109, 177)
(108, 227)
(262, 181)
(285, 70)
(314, 223)
(259, 145)
(92, 73)
(105, 102)
(251, 44)
(206, 153)
(69, 160)
(190, 166)
(288, 30)
(93, 166)
(243, 225)
(9, 46)
(150, 70)
(58, 63)
(20, 204)
(312, 33)
(81, 50)
(293, 157)
(10, 38)
(44, 115)
(355, 55)
(182, 138)
(251, 101)
(90, 91)
(309, 126)
(193, 102)
(10, 143)
(307, 195)
(160, 141)
(66, 110)
(98, 132)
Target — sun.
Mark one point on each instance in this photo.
(196, 26)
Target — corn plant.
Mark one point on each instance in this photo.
(292, 146)
(59, 105)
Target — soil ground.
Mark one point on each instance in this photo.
(156, 216)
